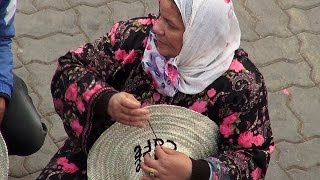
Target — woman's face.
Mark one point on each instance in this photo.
(169, 29)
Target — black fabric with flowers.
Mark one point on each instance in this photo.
(89, 75)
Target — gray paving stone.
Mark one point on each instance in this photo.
(95, 22)
(23, 73)
(306, 103)
(29, 177)
(49, 48)
(56, 131)
(26, 6)
(150, 6)
(16, 62)
(46, 22)
(40, 74)
(40, 159)
(247, 24)
(285, 4)
(304, 155)
(46, 105)
(86, 2)
(16, 168)
(40, 79)
(124, 11)
(274, 171)
(310, 50)
(93, 3)
(271, 20)
(283, 122)
(304, 20)
(309, 174)
(270, 49)
(56, 4)
(282, 74)
(127, 1)
(60, 144)
(35, 99)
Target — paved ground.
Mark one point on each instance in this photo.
(282, 37)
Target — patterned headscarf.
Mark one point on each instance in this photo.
(211, 36)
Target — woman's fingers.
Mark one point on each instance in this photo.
(125, 108)
(133, 111)
(167, 151)
(146, 177)
(137, 115)
(130, 101)
(138, 124)
(159, 152)
(149, 162)
(149, 171)
(140, 112)
(131, 120)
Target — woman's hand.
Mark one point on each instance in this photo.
(126, 109)
(170, 165)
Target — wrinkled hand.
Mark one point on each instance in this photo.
(126, 109)
(2, 108)
(170, 165)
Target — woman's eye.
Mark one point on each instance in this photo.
(170, 24)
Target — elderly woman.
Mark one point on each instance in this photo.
(188, 57)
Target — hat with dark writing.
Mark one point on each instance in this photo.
(4, 160)
(119, 150)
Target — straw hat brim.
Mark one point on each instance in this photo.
(119, 150)
(4, 159)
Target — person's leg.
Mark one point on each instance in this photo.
(22, 127)
(68, 163)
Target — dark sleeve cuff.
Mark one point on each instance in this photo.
(200, 170)
(100, 108)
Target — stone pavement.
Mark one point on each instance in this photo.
(281, 36)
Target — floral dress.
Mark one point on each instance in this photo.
(87, 77)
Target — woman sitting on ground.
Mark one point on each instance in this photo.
(189, 56)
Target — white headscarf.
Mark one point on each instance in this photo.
(211, 36)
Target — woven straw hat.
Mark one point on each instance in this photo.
(119, 150)
(4, 160)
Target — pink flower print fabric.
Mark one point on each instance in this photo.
(115, 60)
(226, 128)
(76, 127)
(126, 58)
(72, 93)
(199, 106)
(67, 166)
(113, 33)
(247, 139)
(236, 66)
(256, 174)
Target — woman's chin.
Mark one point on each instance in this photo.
(163, 52)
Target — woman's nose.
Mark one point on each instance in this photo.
(157, 28)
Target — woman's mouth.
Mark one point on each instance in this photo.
(160, 43)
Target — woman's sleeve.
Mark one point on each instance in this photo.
(89, 75)
(246, 138)
(247, 154)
